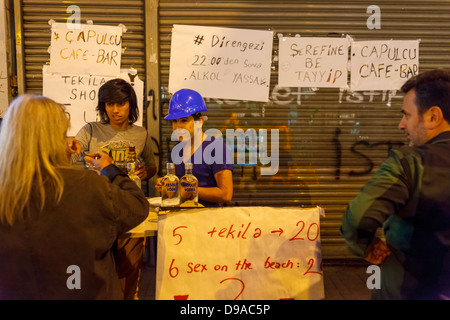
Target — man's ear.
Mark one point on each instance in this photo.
(433, 117)
(199, 123)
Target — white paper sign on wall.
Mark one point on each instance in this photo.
(78, 93)
(92, 49)
(313, 62)
(4, 87)
(221, 63)
(383, 65)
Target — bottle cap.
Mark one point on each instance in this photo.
(188, 165)
(170, 165)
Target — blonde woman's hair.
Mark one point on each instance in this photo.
(32, 149)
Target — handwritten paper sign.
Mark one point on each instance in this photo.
(221, 63)
(4, 100)
(92, 49)
(313, 62)
(383, 65)
(239, 253)
(4, 96)
(78, 93)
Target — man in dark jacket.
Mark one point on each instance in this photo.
(410, 197)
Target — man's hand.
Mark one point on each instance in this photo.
(158, 185)
(141, 172)
(73, 146)
(377, 251)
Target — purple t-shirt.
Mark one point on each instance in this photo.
(207, 162)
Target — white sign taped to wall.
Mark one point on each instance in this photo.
(92, 49)
(223, 63)
(4, 86)
(240, 253)
(383, 65)
(313, 62)
(79, 94)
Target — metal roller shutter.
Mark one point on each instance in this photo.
(331, 141)
(34, 16)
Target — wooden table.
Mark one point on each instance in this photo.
(148, 228)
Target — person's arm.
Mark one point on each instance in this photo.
(223, 193)
(129, 202)
(82, 138)
(148, 169)
(385, 194)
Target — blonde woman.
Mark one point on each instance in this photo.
(58, 225)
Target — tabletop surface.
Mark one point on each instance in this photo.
(147, 228)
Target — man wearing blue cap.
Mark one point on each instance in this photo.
(214, 174)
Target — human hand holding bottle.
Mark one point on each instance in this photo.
(158, 185)
(141, 171)
(98, 160)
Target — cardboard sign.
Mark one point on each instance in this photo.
(78, 93)
(239, 253)
(221, 63)
(92, 49)
(383, 65)
(313, 62)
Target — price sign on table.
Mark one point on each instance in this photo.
(240, 253)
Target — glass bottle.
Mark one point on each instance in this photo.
(131, 158)
(189, 188)
(170, 191)
(132, 173)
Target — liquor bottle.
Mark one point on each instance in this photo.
(132, 173)
(188, 188)
(131, 158)
(170, 191)
(131, 165)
